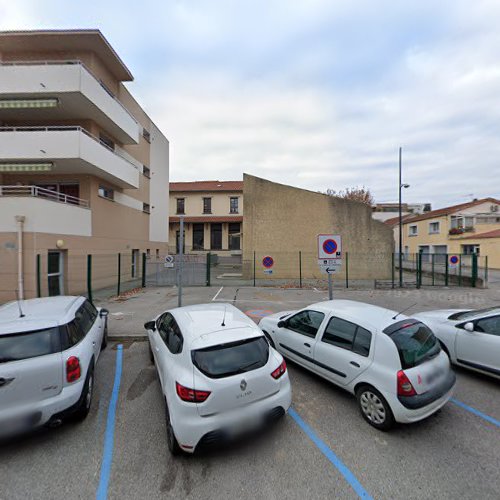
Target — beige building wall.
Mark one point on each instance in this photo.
(280, 221)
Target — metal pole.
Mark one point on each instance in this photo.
(347, 270)
(400, 225)
(330, 287)
(119, 273)
(143, 269)
(300, 269)
(433, 255)
(89, 278)
(393, 266)
(181, 261)
(38, 284)
(254, 268)
(446, 271)
(208, 268)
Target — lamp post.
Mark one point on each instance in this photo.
(401, 186)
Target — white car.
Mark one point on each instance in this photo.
(471, 338)
(48, 352)
(218, 373)
(393, 364)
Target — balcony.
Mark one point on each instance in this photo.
(45, 211)
(79, 96)
(458, 231)
(69, 150)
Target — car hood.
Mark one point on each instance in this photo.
(439, 315)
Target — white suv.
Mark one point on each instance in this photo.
(218, 373)
(48, 352)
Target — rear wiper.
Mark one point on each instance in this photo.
(247, 367)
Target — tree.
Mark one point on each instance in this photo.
(360, 194)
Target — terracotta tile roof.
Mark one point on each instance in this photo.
(450, 210)
(206, 186)
(208, 218)
(490, 234)
(394, 221)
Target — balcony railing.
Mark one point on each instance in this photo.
(39, 192)
(63, 62)
(118, 152)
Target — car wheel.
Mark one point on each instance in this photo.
(85, 402)
(374, 408)
(105, 337)
(172, 443)
(270, 340)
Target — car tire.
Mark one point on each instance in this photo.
(105, 337)
(269, 339)
(85, 402)
(374, 408)
(172, 443)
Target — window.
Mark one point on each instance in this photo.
(198, 236)
(470, 249)
(26, 345)
(146, 135)
(305, 322)
(171, 334)
(433, 227)
(232, 358)
(216, 236)
(207, 205)
(348, 336)
(180, 205)
(489, 325)
(234, 236)
(233, 205)
(91, 312)
(134, 263)
(414, 341)
(83, 322)
(146, 172)
(157, 253)
(413, 231)
(146, 208)
(148, 253)
(106, 192)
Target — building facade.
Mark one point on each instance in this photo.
(462, 229)
(213, 216)
(83, 169)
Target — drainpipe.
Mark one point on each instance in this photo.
(20, 279)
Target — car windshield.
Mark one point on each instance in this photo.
(24, 345)
(224, 360)
(464, 315)
(415, 343)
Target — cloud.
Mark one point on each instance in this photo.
(314, 93)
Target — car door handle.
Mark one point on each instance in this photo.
(353, 363)
(307, 345)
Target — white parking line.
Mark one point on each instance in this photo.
(217, 294)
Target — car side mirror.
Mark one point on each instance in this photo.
(150, 325)
(282, 324)
(103, 313)
(469, 326)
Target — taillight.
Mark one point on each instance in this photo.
(191, 395)
(404, 385)
(73, 369)
(280, 371)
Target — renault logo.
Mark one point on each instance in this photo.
(243, 384)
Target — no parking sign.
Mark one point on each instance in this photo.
(329, 246)
(453, 261)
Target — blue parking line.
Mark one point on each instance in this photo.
(107, 455)
(323, 447)
(478, 413)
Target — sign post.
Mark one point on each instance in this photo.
(181, 262)
(329, 257)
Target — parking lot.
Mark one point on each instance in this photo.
(323, 448)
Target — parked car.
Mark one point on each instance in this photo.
(49, 348)
(218, 373)
(471, 338)
(393, 364)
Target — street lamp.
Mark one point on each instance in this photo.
(401, 186)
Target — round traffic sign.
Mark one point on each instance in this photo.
(268, 262)
(169, 259)
(454, 259)
(330, 246)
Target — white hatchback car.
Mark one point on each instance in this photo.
(393, 364)
(48, 352)
(471, 338)
(218, 373)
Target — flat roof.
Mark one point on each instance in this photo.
(61, 40)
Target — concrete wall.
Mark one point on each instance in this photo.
(282, 220)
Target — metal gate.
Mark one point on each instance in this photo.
(162, 273)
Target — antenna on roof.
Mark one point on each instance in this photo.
(404, 310)
(21, 314)
(224, 317)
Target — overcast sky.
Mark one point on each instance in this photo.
(313, 93)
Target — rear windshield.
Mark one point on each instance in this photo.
(26, 345)
(471, 314)
(229, 359)
(415, 343)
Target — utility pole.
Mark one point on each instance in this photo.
(181, 261)
(400, 225)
